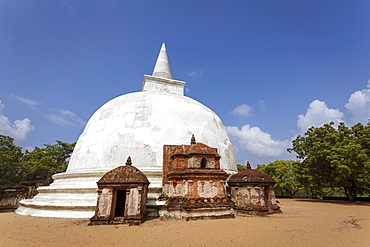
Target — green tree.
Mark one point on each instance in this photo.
(52, 157)
(335, 157)
(286, 174)
(240, 167)
(60, 152)
(10, 155)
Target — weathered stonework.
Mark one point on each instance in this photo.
(10, 196)
(193, 184)
(122, 196)
(252, 192)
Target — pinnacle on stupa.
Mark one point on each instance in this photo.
(162, 67)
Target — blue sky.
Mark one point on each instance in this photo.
(269, 69)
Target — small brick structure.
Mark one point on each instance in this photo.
(194, 186)
(252, 192)
(122, 196)
(10, 196)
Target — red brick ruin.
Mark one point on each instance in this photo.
(252, 192)
(193, 183)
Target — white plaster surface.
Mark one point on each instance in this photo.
(133, 202)
(139, 124)
(105, 202)
(162, 67)
(248, 195)
(207, 189)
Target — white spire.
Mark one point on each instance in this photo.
(161, 80)
(162, 67)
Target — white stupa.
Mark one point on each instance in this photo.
(137, 125)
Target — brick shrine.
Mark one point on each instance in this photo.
(252, 191)
(194, 186)
(122, 196)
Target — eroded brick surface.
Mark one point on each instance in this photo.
(193, 183)
(252, 192)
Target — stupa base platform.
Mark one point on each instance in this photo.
(74, 195)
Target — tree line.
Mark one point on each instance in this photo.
(331, 161)
(15, 164)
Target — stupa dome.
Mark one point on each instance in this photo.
(138, 125)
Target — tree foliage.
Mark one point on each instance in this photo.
(335, 157)
(10, 156)
(52, 157)
(240, 167)
(286, 174)
(15, 165)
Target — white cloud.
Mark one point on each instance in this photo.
(57, 116)
(256, 142)
(64, 117)
(196, 74)
(66, 8)
(261, 104)
(359, 106)
(19, 130)
(27, 101)
(318, 114)
(242, 110)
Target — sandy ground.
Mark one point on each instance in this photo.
(303, 223)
